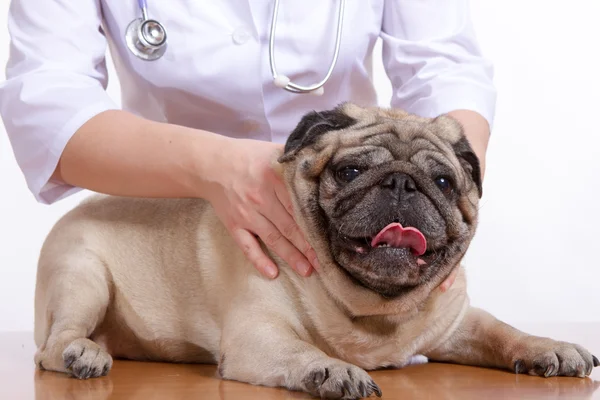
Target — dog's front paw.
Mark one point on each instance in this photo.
(547, 357)
(339, 380)
(85, 359)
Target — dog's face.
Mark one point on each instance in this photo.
(388, 199)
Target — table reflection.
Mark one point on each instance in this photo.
(148, 381)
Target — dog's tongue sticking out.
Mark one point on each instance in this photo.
(395, 235)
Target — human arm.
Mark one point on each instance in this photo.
(67, 134)
(431, 55)
(118, 153)
(477, 131)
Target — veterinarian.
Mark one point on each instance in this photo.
(211, 90)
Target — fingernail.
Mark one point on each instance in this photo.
(271, 271)
(315, 263)
(302, 267)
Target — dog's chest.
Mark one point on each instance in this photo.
(371, 352)
(370, 343)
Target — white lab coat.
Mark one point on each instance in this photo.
(215, 74)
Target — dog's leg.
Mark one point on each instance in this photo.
(483, 340)
(270, 352)
(72, 294)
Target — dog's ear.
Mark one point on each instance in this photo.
(312, 126)
(469, 161)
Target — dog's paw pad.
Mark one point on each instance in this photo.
(340, 381)
(85, 359)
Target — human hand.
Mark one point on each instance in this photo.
(252, 202)
(477, 131)
(449, 281)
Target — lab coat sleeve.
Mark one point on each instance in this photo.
(55, 81)
(431, 55)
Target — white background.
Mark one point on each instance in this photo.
(535, 257)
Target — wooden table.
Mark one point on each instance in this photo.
(19, 379)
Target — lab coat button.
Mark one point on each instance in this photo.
(240, 36)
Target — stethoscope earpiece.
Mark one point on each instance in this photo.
(318, 92)
(281, 81)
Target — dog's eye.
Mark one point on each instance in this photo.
(347, 174)
(444, 183)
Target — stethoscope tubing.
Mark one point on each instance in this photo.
(143, 5)
(292, 87)
(138, 39)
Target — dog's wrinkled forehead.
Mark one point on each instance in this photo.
(396, 120)
(359, 123)
(351, 125)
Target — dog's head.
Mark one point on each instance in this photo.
(388, 200)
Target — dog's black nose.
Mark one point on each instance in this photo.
(400, 184)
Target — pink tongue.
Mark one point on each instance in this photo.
(395, 235)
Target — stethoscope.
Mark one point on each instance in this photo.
(147, 39)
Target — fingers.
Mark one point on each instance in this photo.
(282, 216)
(277, 241)
(449, 281)
(261, 207)
(254, 253)
(284, 197)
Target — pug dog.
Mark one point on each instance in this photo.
(388, 200)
